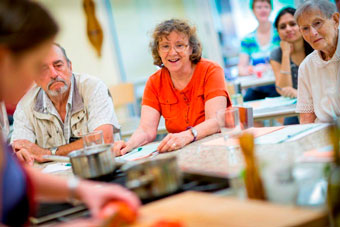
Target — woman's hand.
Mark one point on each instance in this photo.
(121, 147)
(95, 196)
(287, 48)
(289, 92)
(175, 141)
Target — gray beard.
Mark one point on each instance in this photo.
(59, 92)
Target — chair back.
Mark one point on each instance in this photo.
(122, 94)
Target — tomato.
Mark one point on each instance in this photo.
(117, 213)
(167, 223)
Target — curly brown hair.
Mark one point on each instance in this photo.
(165, 28)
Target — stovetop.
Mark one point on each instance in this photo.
(62, 211)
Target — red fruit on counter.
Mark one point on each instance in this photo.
(117, 213)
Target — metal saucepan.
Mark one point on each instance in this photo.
(92, 162)
(153, 178)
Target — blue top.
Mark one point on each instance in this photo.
(13, 183)
(257, 53)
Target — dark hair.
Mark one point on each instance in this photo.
(24, 25)
(165, 28)
(282, 12)
(268, 1)
(291, 11)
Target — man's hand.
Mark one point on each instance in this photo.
(26, 151)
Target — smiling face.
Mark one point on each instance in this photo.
(56, 73)
(18, 72)
(288, 29)
(175, 51)
(262, 11)
(318, 31)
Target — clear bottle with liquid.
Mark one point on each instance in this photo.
(237, 98)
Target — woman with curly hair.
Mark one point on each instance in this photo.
(187, 91)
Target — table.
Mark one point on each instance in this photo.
(270, 108)
(194, 158)
(283, 111)
(254, 81)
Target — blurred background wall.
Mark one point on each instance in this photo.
(128, 25)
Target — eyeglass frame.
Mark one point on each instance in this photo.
(313, 25)
(170, 48)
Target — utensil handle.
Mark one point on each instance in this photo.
(56, 158)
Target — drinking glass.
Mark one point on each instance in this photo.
(229, 122)
(93, 138)
(4, 125)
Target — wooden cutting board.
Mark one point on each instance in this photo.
(207, 210)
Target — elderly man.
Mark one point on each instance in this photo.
(60, 108)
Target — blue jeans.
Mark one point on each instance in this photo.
(291, 121)
(261, 92)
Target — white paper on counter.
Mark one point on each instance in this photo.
(289, 133)
(52, 168)
(139, 153)
(270, 103)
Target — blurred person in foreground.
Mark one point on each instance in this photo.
(319, 73)
(285, 60)
(27, 32)
(187, 91)
(61, 107)
(256, 48)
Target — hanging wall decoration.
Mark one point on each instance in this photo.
(94, 30)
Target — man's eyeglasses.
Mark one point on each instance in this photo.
(179, 47)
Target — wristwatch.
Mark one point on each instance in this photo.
(54, 150)
(194, 133)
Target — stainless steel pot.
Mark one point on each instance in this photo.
(153, 178)
(92, 162)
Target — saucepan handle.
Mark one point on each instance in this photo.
(141, 181)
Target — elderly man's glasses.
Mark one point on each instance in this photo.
(179, 47)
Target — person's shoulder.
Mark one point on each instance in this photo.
(249, 41)
(250, 36)
(86, 78)
(276, 54)
(206, 63)
(88, 82)
(29, 98)
(307, 64)
(156, 77)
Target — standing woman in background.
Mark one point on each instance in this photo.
(256, 48)
(285, 60)
(27, 32)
